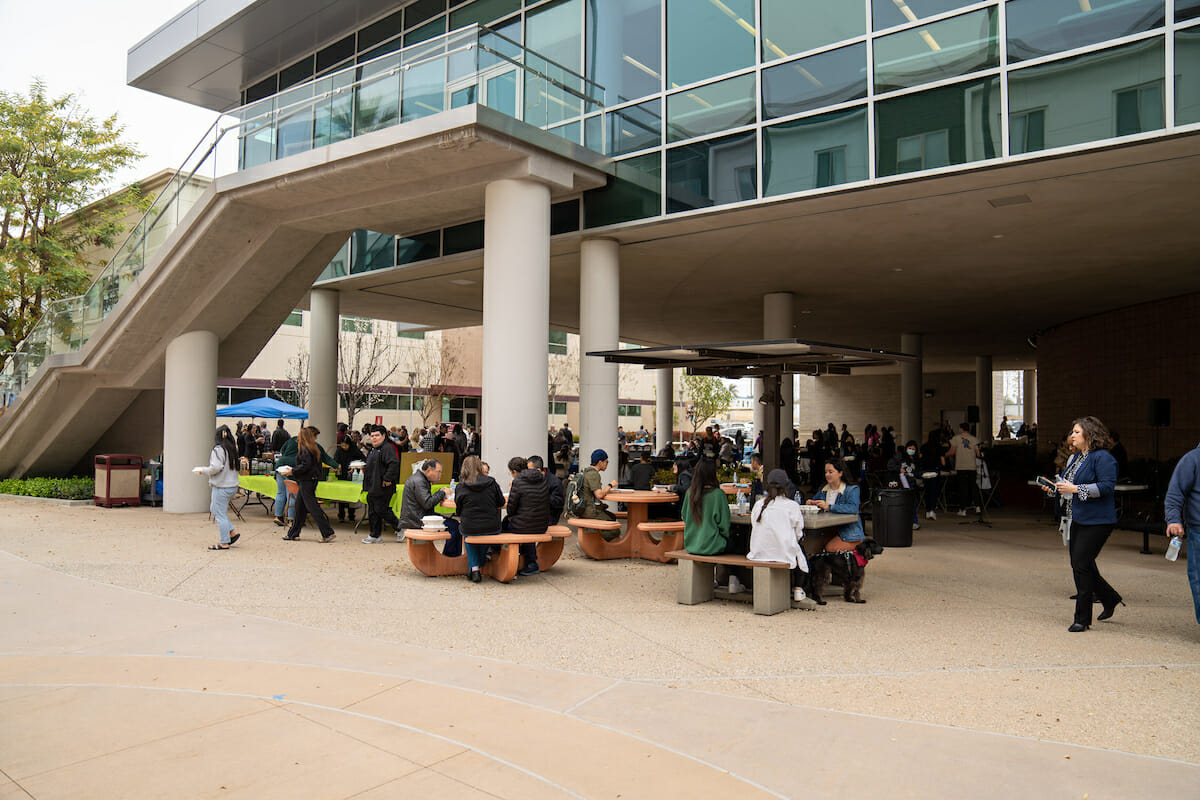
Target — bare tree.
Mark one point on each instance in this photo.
(426, 364)
(563, 374)
(366, 362)
(297, 376)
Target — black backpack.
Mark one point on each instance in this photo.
(576, 501)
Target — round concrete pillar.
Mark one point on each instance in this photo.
(779, 318)
(323, 365)
(983, 398)
(599, 329)
(664, 409)
(516, 322)
(189, 419)
(1029, 408)
(911, 390)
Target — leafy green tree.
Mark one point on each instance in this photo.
(55, 160)
(705, 397)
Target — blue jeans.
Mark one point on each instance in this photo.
(475, 552)
(1193, 566)
(219, 506)
(282, 501)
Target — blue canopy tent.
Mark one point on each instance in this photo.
(264, 407)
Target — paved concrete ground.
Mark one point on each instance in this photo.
(307, 670)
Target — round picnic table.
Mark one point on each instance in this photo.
(635, 542)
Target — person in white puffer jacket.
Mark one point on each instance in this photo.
(222, 475)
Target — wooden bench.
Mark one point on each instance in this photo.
(594, 545)
(430, 561)
(772, 580)
(672, 539)
(503, 565)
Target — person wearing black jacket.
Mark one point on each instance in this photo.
(310, 468)
(557, 499)
(528, 507)
(346, 453)
(478, 499)
(279, 436)
(380, 474)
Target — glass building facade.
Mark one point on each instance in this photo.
(718, 102)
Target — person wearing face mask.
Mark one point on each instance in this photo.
(902, 470)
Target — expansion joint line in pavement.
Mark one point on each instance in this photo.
(15, 783)
(904, 673)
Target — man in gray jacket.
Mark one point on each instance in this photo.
(418, 499)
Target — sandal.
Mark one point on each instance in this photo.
(218, 547)
(328, 539)
(234, 538)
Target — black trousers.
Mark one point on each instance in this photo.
(968, 489)
(306, 504)
(379, 511)
(1085, 545)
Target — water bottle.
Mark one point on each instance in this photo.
(743, 504)
(1173, 548)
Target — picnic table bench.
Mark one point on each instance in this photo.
(772, 580)
(430, 561)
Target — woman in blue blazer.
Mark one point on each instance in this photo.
(840, 498)
(1087, 488)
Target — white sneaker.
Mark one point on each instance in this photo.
(399, 536)
(735, 586)
(372, 540)
(797, 594)
(933, 515)
(916, 527)
(962, 512)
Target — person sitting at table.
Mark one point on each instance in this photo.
(705, 512)
(642, 473)
(528, 508)
(418, 500)
(593, 491)
(776, 528)
(557, 498)
(840, 498)
(479, 500)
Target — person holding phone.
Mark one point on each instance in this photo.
(1087, 487)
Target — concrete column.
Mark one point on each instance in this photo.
(664, 409)
(599, 329)
(779, 318)
(757, 387)
(772, 435)
(323, 365)
(516, 319)
(1029, 409)
(983, 397)
(189, 419)
(911, 390)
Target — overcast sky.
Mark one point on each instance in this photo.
(80, 47)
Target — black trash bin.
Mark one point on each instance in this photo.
(891, 517)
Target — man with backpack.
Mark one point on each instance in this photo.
(586, 492)
(380, 474)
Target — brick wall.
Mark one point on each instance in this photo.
(1113, 364)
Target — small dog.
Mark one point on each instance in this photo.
(848, 567)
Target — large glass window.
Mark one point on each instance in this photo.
(712, 173)
(371, 250)
(1187, 76)
(1186, 9)
(707, 38)
(419, 247)
(888, 13)
(826, 79)
(624, 47)
(794, 26)
(462, 238)
(1041, 27)
(712, 108)
(483, 12)
(1091, 97)
(949, 125)
(558, 343)
(815, 152)
(944, 49)
(421, 10)
(339, 265)
(553, 31)
(635, 128)
(633, 193)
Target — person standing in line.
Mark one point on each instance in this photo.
(964, 449)
(1089, 509)
(1183, 516)
(380, 475)
(310, 468)
(279, 436)
(223, 478)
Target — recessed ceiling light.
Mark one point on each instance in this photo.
(806, 311)
(897, 269)
(462, 281)
(997, 235)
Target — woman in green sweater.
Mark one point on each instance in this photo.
(705, 512)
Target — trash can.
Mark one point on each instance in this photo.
(118, 480)
(891, 517)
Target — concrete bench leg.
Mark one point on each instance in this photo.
(772, 590)
(695, 582)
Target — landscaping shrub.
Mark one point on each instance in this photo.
(60, 488)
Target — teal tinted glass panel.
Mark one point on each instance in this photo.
(370, 250)
(815, 152)
(708, 109)
(429, 30)
(424, 90)
(888, 13)
(1186, 9)
(633, 193)
(380, 31)
(333, 117)
(938, 51)
(564, 217)
(624, 47)
(707, 39)
(712, 173)
(593, 133)
(572, 132)
(335, 54)
(1042, 27)
(377, 98)
(418, 12)
(295, 319)
(949, 125)
(501, 92)
(553, 32)
(258, 139)
(421, 247)
(794, 26)
(483, 12)
(462, 238)
(1095, 96)
(826, 79)
(634, 128)
(299, 72)
(294, 126)
(1187, 82)
(339, 266)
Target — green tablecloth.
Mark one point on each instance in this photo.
(337, 491)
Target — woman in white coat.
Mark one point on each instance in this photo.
(777, 526)
(222, 472)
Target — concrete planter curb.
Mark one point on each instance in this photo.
(53, 501)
